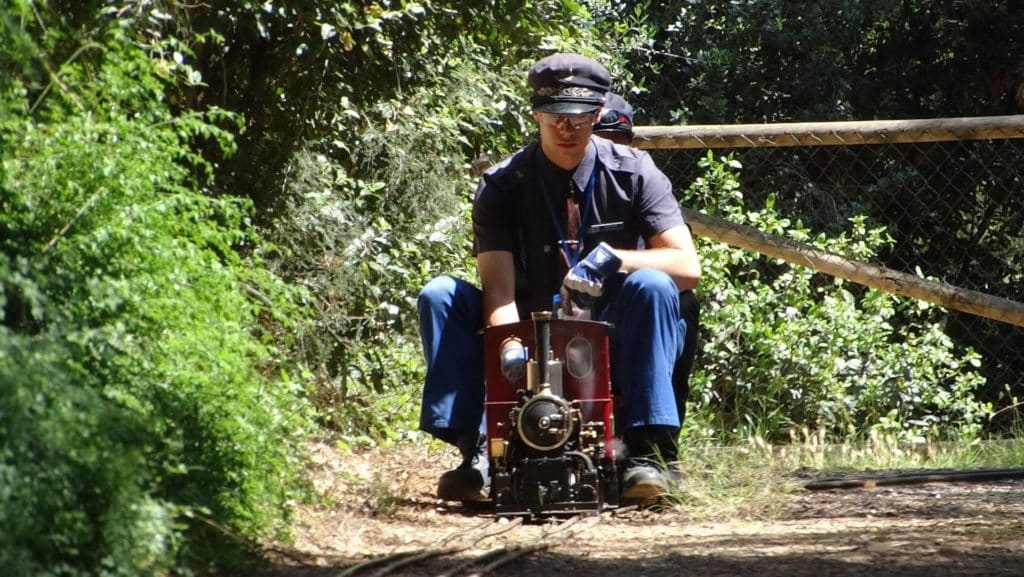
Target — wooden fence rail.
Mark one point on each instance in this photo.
(830, 133)
(881, 278)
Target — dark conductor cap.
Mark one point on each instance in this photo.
(616, 117)
(568, 84)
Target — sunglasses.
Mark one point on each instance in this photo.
(613, 118)
(575, 121)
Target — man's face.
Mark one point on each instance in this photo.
(564, 137)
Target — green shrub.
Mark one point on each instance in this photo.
(362, 271)
(147, 422)
(786, 348)
(72, 499)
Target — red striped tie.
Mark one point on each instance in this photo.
(572, 226)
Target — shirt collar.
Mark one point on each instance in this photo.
(555, 177)
(582, 174)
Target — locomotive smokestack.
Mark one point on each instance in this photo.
(542, 335)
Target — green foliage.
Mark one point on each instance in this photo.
(360, 272)
(949, 206)
(786, 348)
(326, 72)
(374, 203)
(71, 496)
(146, 418)
(764, 61)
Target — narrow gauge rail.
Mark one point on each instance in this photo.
(483, 562)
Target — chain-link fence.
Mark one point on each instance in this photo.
(949, 191)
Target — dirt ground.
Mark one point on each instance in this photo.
(383, 505)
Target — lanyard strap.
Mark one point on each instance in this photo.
(570, 256)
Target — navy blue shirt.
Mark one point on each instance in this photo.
(631, 201)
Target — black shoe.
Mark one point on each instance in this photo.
(462, 485)
(643, 483)
(470, 481)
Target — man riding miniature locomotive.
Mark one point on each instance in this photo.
(595, 222)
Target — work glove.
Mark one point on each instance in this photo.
(584, 282)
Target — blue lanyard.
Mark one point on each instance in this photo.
(570, 256)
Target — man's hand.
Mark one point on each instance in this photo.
(585, 281)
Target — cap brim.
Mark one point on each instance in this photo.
(619, 129)
(567, 107)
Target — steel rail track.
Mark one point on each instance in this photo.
(467, 539)
(509, 553)
(868, 480)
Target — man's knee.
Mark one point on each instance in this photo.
(651, 282)
(439, 290)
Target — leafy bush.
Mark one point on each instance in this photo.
(785, 348)
(71, 496)
(950, 206)
(146, 419)
(361, 272)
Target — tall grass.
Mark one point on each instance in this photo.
(755, 480)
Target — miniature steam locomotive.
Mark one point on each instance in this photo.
(549, 412)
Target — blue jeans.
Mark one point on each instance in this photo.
(647, 338)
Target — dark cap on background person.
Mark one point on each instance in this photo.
(568, 84)
(616, 120)
(616, 117)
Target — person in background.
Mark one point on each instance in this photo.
(616, 120)
(616, 124)
(580, 216)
